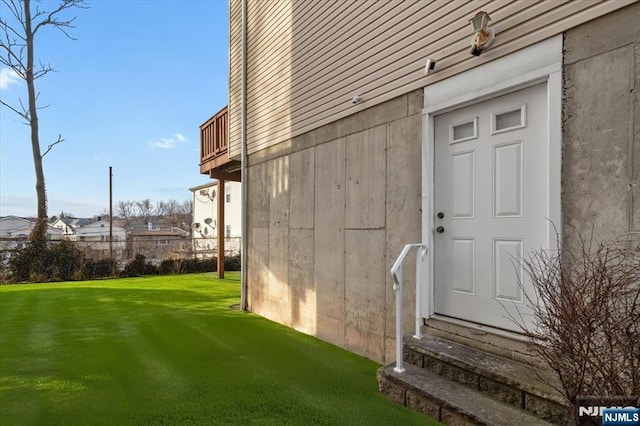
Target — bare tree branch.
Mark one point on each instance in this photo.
(15, 59)
(12, 59)
(25, 111)
(21, 114)
(59, 140)
(43, 71)
(15, 10)
(9, 29)
(51, 18)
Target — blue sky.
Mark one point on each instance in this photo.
(129, 93)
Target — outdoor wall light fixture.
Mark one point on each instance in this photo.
(483, 36)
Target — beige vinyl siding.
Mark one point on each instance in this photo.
(235, 76)
(307, 59)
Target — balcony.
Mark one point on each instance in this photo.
(214, 146)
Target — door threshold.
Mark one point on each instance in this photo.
(482, 328)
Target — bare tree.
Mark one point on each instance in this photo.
(172, 211)
(160, 208)
(17, 47)
(187, 207)
(126, 209)
(145, 209)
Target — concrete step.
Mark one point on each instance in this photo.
(522, 386)
(448, 401)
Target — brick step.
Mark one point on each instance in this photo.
(520, 385)
(448, 401)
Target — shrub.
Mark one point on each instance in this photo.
(99, 269)
(187, 266)
(150, 269)
(5, 273)
(207, 265)
(139, 266)
(42, 261)
(587, 312)
(232, 263)
(135, 268)
(33, 263)
(169, 266)
(67, 260)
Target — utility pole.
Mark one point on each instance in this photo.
(110, 213)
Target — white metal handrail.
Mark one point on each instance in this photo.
(396, 275)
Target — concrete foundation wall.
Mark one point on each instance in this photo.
(601, 127)
(329, 211)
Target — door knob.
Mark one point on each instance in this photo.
(440, 215)
(440, 229)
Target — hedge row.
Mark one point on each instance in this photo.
(63, 261)
(140, 266)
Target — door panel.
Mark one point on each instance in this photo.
(464, 277)
(491, 184)
(464, 184)
(506, 271)
(507, 180)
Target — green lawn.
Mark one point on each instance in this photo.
(168, 350)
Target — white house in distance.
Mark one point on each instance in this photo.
(205, 218)
(69, 226)
(94, 239)
(14, 230)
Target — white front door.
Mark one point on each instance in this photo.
(491, 204)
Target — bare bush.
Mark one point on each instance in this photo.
(587, 317)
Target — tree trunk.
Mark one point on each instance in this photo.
(40, 230)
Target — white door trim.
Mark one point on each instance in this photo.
(532, 65)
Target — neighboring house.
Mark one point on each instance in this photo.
(94, 240)
(205, 218)
(69, 226)
(354, 150)
(15, 231)
(158, 244)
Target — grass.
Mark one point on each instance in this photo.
(168, 350)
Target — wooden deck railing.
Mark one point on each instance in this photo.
(214, 148)
(214, 136)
